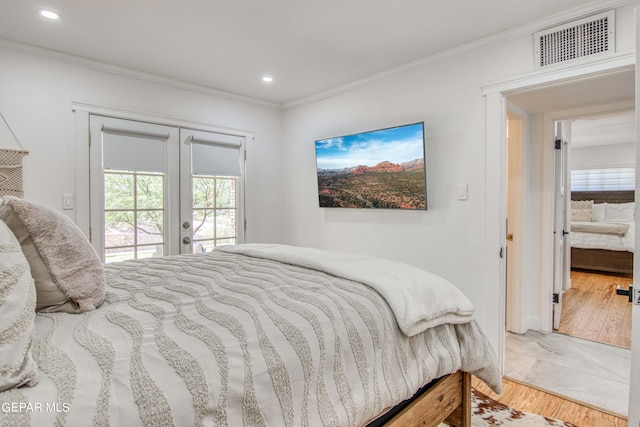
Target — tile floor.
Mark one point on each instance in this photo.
(587, 371)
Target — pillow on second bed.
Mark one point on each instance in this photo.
(17, 315)
(68, 273)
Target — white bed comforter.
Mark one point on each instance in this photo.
(610, 242)
(229, 339)
(419, 299)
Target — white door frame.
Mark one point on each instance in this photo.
(634, 380)
(495, 156)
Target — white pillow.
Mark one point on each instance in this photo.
(597, 212)
(68, 273)
(17, 315)
(619, 212)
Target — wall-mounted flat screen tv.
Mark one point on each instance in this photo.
(383, 169)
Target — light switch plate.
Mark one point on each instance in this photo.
(463, 191)
(68, 201)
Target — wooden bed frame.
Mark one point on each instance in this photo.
(447, 401)
(600, 259)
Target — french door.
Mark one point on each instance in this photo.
(160, 190)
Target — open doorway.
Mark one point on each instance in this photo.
(602, 203)
(551, 361)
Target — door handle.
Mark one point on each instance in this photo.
(186, 240)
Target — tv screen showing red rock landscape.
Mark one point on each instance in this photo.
(383, 169)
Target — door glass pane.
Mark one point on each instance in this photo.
(225, 193)
(119, 254)
(119, 188)
(119, 228)
(225, 223)
(134, 215)
(204, 246)
(214, 217)
(203, 224)
(203, 190)
(150, 226)
(150, 191)
(149, 251)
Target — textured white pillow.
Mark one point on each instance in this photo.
(619, 212)
(581, 204)
(581, 215)
(68, 273)
(597, 212)
(581, 210)
(17, 314)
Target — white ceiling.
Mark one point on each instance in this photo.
(608, 129)
(307, 46)
(605, 128)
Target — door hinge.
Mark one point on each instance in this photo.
(558, 144)
(556, 298)
(501, 253)
(245, 225)
(89, 139)
(90, 235)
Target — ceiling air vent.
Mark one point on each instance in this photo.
(577, 40)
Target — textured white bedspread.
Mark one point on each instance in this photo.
(419, 299)
(228, 339)
(610, 242)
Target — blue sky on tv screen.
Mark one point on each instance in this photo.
(396, 145)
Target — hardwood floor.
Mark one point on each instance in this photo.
(592, 310)
(527, 399)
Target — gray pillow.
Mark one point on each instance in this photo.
(17, 315)
(67, 271)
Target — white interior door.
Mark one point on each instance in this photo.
(514, 244)
(562, 248)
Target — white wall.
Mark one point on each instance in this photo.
(36, 96)
(604, 156)
(450, 238)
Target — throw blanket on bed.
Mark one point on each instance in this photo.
(227, 339)
(617, 229)
(419, 300)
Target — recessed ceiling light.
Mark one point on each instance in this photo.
(50, 14)
(267, 79)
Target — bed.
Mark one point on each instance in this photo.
(604, 239)
(252, 334)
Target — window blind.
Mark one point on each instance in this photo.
(609, 179)
(133, 151)
(217, 155)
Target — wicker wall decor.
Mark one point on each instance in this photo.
(11, 167)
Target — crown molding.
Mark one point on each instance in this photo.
(482, 43)
(105, 67)
(478, 44)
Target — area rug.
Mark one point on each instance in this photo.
(489, 413)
